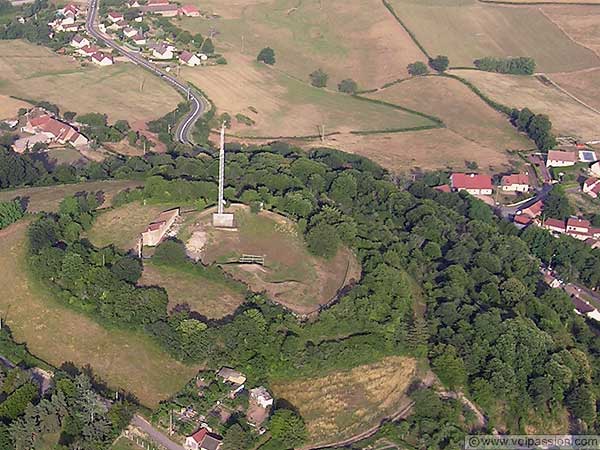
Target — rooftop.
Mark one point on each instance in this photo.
(471, 181)
(561, 155)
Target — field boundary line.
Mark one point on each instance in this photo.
(393, 12)
(542, 3)
(564, 91)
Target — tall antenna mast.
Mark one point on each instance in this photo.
(221, 170)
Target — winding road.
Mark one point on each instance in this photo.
(198, 103)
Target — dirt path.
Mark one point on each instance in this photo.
(567, 93)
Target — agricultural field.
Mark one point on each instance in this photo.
(291, 276)
(534, 2)
(568, 117)
(358, 39)
(47, 198)
(9, 107)
(123, 226)
(580, 23)
(342, 404)
(209, 298)
(465, 30)
(286, 106)
(584, 85)
(34, 72)
(463, 112)
(125, 359)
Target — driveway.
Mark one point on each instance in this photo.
(154, 434)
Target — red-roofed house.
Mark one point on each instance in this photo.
(533, 210)
(189, 59)
(555, 225)
(88, 50)
(55, 130)
(202, 440)
(69, 10)
(102, 59)
(591, 187)
(115, 17)
(578, 228)
(560, 158)
(189, 11)
(139, 39)
(474, 184)
(129, 32)
(157, 230)
(165, 10)
(79, 41)
(522, 219)
(518, 182)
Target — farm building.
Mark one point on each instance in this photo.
(27, 142)
(560, 158)
(203, 440)
(165, 10)
(40, 122)
(157, 230)
(518, 182)
(474, 184)
(189, 11)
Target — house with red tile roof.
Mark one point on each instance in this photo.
(533, 210)
(129, 32)
(189, 11)
(591, 187)
(522, 219)
(203, 440)
(115, 17)
(165, 10)
(62, 133)
(474, 184)
(102, 59)
(554, 225)
(88, 50)
(79, 41)
(139, 39)
(189, 59)
(70, 9)
(443, 188)
(560, 158)
(518, 182)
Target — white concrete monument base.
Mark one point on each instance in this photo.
(224, 220)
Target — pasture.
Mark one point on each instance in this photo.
(125, 359)
(463, 112)
(286, 106)
(10, 106)
(211, 299)
(568, 117)
(580, 23)
(291, 276)
(357, 39)
(584, 85)
(122, 91)
(465, 30)
(47, 198)
(342, 404)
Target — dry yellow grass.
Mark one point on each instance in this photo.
(584, 85)
(48, 198)
(568, 116)
(558, 2)
(55, 333)
(10, 106)
(34, 72)
(343, 404)
(580, 23)
(462, 111)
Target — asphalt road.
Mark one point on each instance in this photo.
(198, 103)
(542, 193)
(154, 434)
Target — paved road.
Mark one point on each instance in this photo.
(199, 103)
(507, 211)
(154, 434)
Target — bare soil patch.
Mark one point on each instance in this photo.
(342, 404)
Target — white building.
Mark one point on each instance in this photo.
(189, 59)
(79, 41)
(102, 59)
(261, 396)
(518, 182)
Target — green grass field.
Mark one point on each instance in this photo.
(466, 29)
(125, 359)
(125, 444)
(123, 91)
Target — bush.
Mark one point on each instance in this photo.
(241, 118)
(170, 252)
(439, 63)
(319, 78)
(347, 86)
(323, 240)
(417, 68)
(266, 55)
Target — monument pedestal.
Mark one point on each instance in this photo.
(223, 220)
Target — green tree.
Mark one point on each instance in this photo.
(417, 68)
(348, 86)
(557, 204)
(208, 46)
(439, 63)
(318, 78)
(266, 55)
(323, 240)
(288, 428)
(236, 438)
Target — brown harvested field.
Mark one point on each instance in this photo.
(427, 150)
(463, 112)
(10, 106)
(465, 30)
(580, 23)
(34, 72)
(289, 107)
(568, 117)
(123, 226)
(342, 404)
(125, 359)
(358, 39)
(291, 276)
(48, 198)
(534, 2)
(211, 299)
(584, 85)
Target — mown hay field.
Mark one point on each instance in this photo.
(357, 39)
(465, 30)
(10, 106)
(125, 359)
(580, 23)
(585, 85)
(211, 299)
(342, 404)
(123, 91)
(48, 198)
(288, 107)
(568, 117)
(463, 112)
